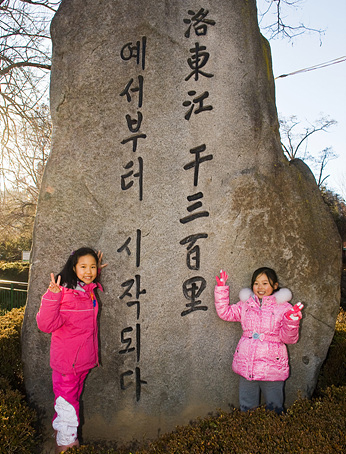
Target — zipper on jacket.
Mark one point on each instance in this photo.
(75, 360)
(95, 341)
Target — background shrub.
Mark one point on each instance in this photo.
(14, 271)
(333, 371)
(16, 422)
(11, 247)
(10, 348)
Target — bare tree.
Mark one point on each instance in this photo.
(324, 157)
(295, 140)
(273, 18)
(25, 159)
(26, 155)
(24, 70)
(24, 59)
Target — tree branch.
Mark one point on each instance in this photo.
(23, 64)
(46, 4)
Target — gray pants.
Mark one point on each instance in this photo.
(250, 394)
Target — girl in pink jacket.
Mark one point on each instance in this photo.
(269, 322)
(69, 311)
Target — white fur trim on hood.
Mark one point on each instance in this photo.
(281, 296)
(245, 294)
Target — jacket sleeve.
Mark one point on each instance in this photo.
(48, 317)
(289, 332)
(230, 313)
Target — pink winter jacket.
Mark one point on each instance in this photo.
(261, 353)
(71, 317)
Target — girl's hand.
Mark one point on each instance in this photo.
(295, 312)
(99, 264)
(54, 286)
(222, 279)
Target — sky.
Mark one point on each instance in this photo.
(321, 92)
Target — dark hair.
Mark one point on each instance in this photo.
(271, 275)
(68, 275)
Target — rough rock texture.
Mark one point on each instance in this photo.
(166, 156)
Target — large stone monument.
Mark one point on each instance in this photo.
(166, 156)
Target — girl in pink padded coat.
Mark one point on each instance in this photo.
(69, 311)
(269, 322)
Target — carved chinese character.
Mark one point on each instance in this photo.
(198, 160)
(139, 381)
(198, 60)
(193, 250)
(128, 341)
(136, 51)
(128, 285)
(192, 289)
(198, 100)
(128, 184)
(193, 207)
(199, 22)
(125, 247)
(134, 139)
(128, 90)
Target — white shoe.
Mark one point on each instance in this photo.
(64, 448)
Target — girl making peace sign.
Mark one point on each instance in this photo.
(69, 311)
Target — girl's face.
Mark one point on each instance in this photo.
(86, 269)
(262, 287)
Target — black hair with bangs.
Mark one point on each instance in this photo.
(271, 275)
(68, 276)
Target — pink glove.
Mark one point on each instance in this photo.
(222, 279)
(295, 312)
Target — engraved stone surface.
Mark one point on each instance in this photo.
(166, 156)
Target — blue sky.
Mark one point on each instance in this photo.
(322, 92)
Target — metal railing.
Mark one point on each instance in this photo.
(12, 294)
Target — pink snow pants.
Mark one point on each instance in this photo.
(68, 387)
